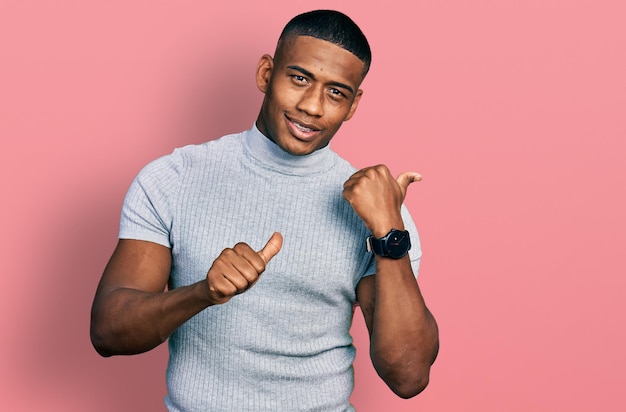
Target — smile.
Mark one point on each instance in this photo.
(301, 131)
(302, 128)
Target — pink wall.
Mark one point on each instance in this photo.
(514, 112)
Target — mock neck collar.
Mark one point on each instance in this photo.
(271, 156)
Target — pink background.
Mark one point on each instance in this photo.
(514, 112)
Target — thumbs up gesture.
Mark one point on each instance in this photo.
(237, 269)
(376, 196)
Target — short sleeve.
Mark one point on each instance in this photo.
(147, 213)
(415, 254)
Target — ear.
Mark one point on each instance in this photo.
(264, 72)
(355, 104)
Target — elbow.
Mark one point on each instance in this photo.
(99, 342)
(102, 334)
(109, 339)
(411, 387)
(102, 351)
(405, 378)
(98, 331)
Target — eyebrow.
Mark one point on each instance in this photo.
(312, 76)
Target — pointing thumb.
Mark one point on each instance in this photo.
(272, 247)
(406, 178)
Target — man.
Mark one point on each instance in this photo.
(268, 330)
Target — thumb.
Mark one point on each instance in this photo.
(272, 247)
(406, 178)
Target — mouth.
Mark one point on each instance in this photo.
(301, 130)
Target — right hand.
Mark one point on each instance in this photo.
(237, 270)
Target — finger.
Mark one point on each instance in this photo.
(352, 180)
(272, 247)
(246, 270)
(231, 276)
(406, 178)
(238, 280)
(219, 282)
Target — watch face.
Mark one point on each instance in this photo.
(398, 243)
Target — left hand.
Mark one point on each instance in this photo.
(376, 196)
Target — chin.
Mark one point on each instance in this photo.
(295, 147)
(308, 149)
(299, 151)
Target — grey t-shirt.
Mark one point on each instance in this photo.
(283, 345)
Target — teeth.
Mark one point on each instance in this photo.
(300, 127)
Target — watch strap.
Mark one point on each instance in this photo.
(375, 245)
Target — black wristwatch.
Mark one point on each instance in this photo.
(394, 244)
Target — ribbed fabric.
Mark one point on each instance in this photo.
(284, 345)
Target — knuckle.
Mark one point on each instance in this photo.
(222, 289)
(241, 247)
(227, 253)
(372, 172)
(240, 283)
(251, 276)
(382, 169)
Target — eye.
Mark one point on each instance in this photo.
(298, 79)
(336, 94)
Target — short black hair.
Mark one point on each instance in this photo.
(334, 27)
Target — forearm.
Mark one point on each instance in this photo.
(404, 340)
(132, 314)
(403, 333)
(127, 321)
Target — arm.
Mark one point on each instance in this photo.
(132, 312)
(403, 333)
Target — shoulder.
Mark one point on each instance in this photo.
(190, 158)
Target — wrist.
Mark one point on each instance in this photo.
(381, 229)
(395, 244)
(203, 295)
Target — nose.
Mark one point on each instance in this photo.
(312, 102)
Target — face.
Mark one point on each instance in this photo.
(311, 88)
